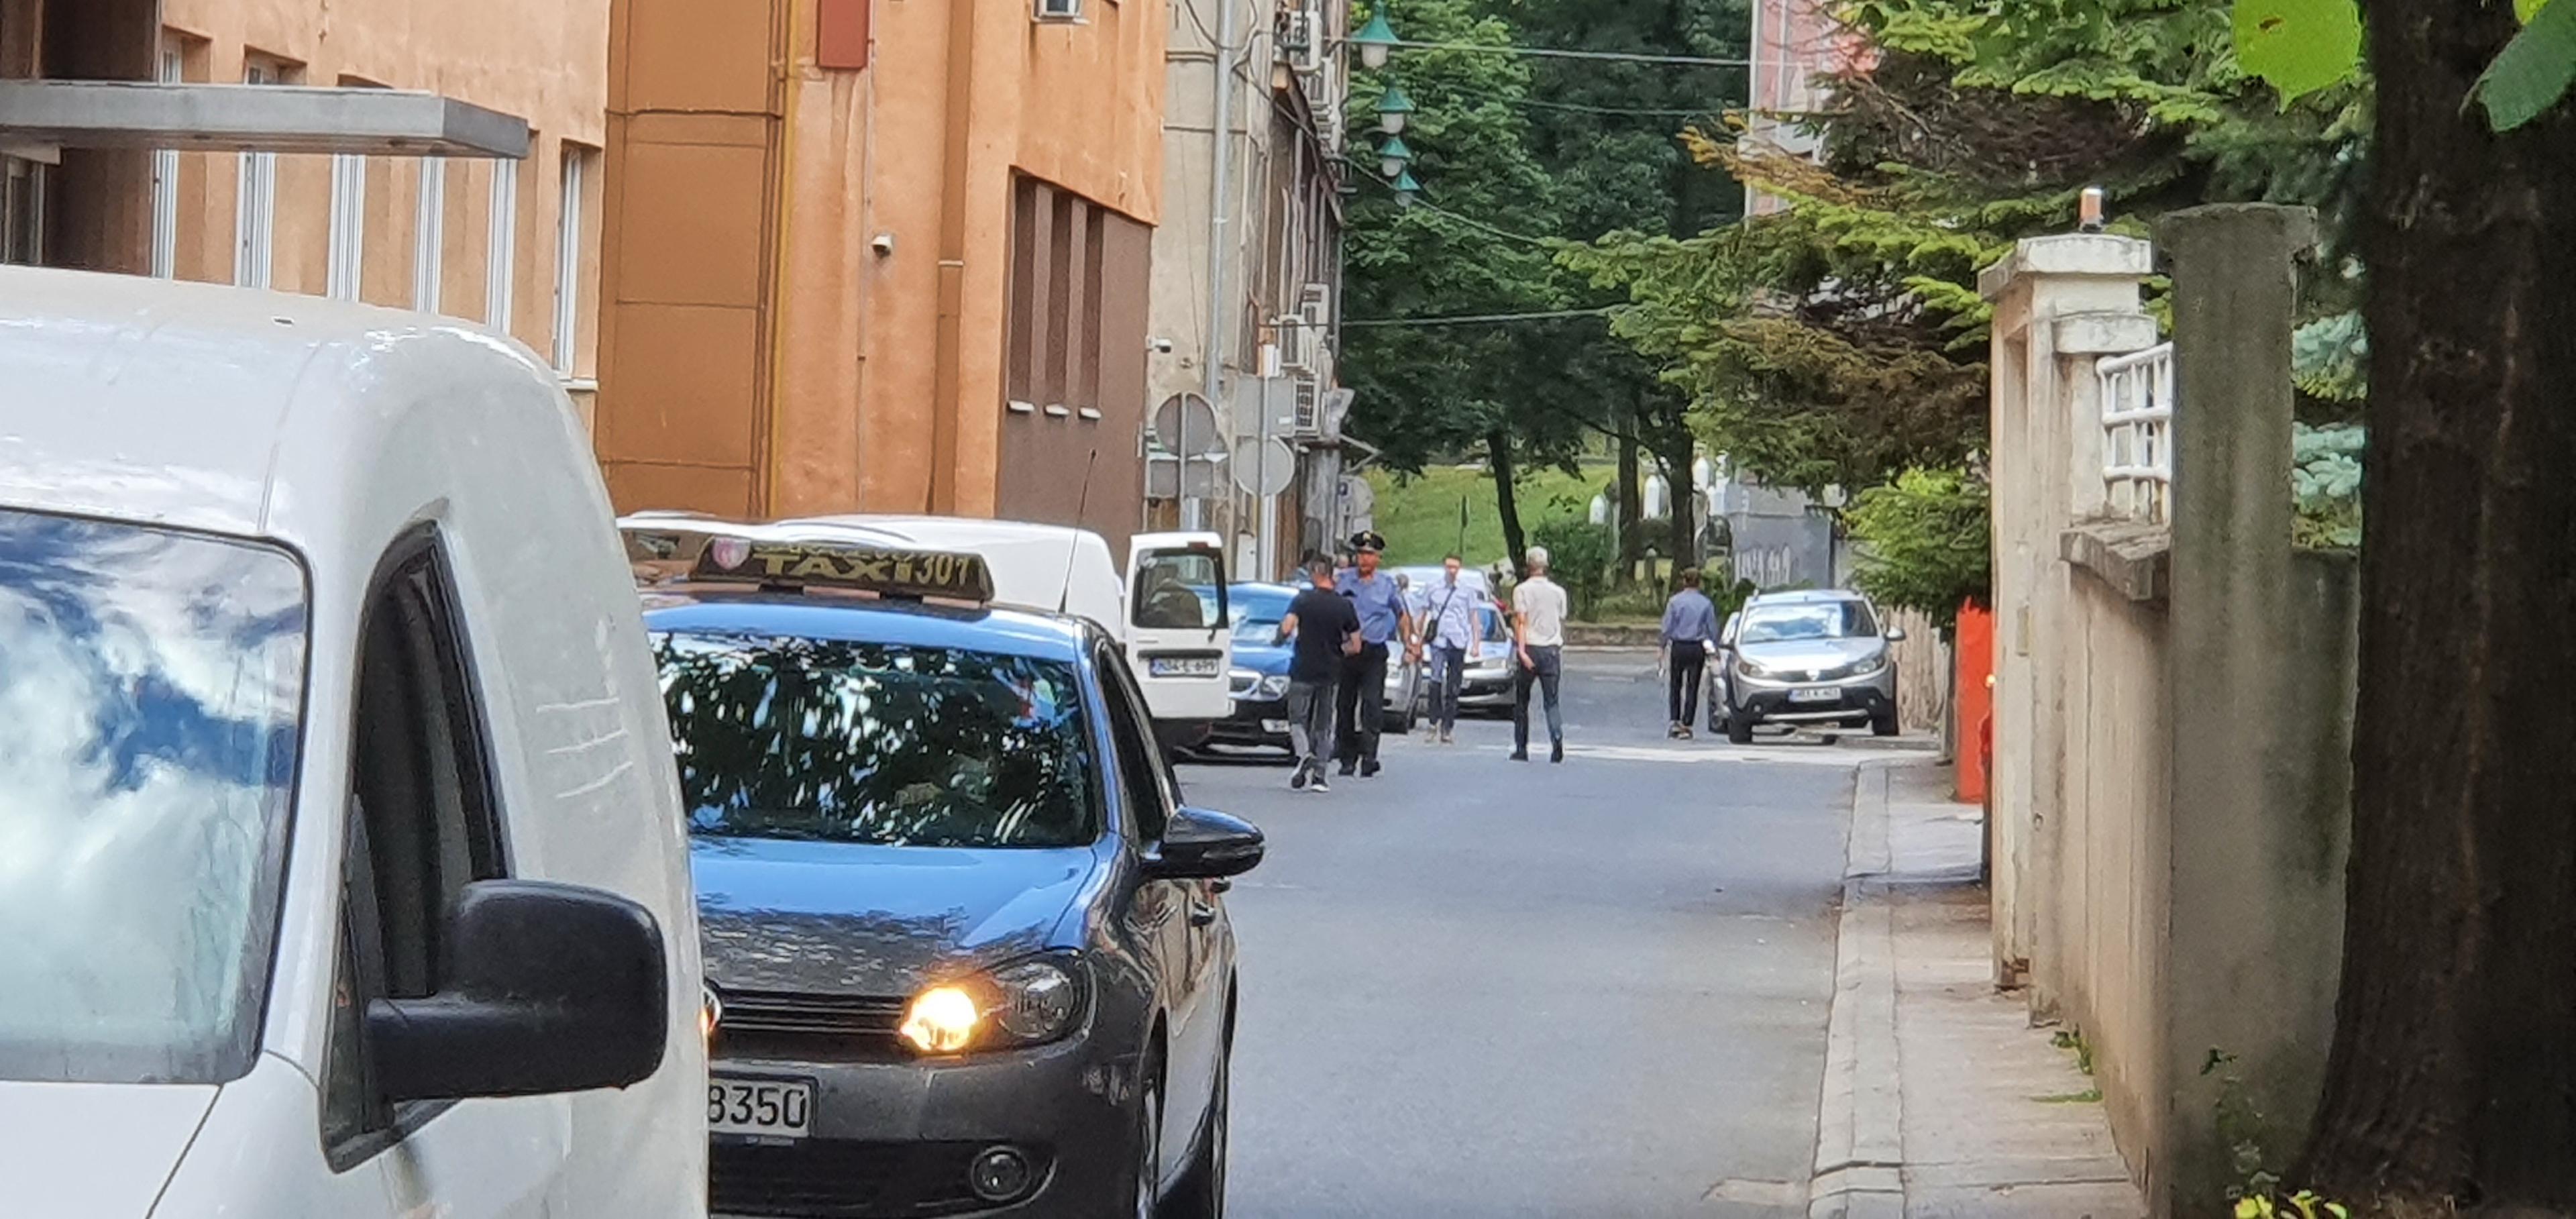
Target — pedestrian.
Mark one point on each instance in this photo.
(1386, 621)
(1690, 638)
(1326, 630)
(1538, 624)
(1448, 631)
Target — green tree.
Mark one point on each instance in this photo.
(1926, 543)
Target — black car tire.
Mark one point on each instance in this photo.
(1399, 720)
(1883, 723)
(1143, 1198)
(1739, 729)
(1202, 1190)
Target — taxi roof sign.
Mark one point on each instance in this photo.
(892, 573)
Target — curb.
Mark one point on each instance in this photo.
(1860, 1151)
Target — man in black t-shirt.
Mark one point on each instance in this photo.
(1326, 629)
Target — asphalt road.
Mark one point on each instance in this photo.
(1480, 988)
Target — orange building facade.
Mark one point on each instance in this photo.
(880, 255)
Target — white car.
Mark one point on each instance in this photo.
(340, 841)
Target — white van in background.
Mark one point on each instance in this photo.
(341, 855)
(1168, 611)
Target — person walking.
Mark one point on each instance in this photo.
(1538, 624)
(1690, 638)
(1326, 630)
(1386, 620)
(1448, 631)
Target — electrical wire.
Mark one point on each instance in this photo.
(1472, 319)
(1700, 61)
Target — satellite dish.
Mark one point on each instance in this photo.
(1263, 467)
(1188, 417)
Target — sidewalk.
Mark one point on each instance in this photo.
(1939, 1098)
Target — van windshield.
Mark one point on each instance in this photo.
(151, 683)
(834, 740)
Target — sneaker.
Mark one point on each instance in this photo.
(1446, 738)
(1297, 782)
(1556, 751)
(1684, 732)
(1319, 785)
(1369, 769)
(1521, 754)
(1349, 769)
(1673, 731)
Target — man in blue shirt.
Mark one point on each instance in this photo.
(1690, 638)
(1385, 620)
(1448, 633)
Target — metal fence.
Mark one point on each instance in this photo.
(2137, 432)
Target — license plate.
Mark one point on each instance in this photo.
(774, 1108)
(1182, 666)
(1815, 694)
(1274, 725)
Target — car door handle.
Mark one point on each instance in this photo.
(1202, 913)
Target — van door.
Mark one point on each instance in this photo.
(1177, 640)
(425, 822)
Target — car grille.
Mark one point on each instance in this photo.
(845, 1179)
(777, 1024)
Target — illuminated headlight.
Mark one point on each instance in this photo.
(710, 1013)
(1024, 1003)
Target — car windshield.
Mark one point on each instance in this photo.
(1256, 616)
(151, 682)
(841, 741)
(1806, 620)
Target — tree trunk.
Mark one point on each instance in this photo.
(1630, 511)
(1498, 457)
(1674, 449)
(2453, 1071)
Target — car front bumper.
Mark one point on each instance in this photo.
(1255, 721)
(895, 1137)
(1850, 704)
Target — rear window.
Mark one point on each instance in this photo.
(842, 741)
(151, 683)
(1176, 589)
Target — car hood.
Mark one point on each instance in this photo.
(105, 1150)
(850, 919)
(1261, 659)
(1809, 655)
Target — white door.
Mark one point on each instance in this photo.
(1177, 639)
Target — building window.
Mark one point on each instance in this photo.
(501, 257)
(165, 185)
(22, 211)
(569, 222)
(255, 207)
(429, 235)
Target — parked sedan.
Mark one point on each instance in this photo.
(1260, 678)
(1805, 659)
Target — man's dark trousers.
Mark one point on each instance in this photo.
(1689, 665)
(1361, 705)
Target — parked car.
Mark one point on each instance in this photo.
(344, 874)
(966, 950)
(1805, 659)
(1259, 681)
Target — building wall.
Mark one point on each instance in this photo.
(543, 63)
(812, 254)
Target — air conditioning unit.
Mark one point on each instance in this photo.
(1297, 31)
(1315, 304)
(1059, 11)
(1306, 409)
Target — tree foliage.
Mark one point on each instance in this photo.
(1925, 543)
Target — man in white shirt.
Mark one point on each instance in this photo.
(1538, 624)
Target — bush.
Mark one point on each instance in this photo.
(1927, 540)
(1579, 555)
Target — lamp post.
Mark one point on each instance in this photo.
(1406, 188)
(1392, 156)
(1375, 39)
(1392, 109)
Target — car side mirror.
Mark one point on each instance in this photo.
(1200, 844)
(545, 988)
(1896, 634)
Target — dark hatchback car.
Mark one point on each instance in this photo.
(966, 952)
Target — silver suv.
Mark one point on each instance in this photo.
(1810, 659)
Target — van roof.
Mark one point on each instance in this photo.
(216, 408)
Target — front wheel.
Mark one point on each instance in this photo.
(1883, 723)
(1146, 1200)
(1739, 729)
(1202, 1191)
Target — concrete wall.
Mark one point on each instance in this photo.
(2173, 706)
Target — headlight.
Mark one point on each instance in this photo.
(1274, 685)
(1863, 666)
(710, 1013)
(1020, 1004)
(1244, 678)
(1750, 669)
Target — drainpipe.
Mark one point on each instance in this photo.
(947, 379)
(1220, 167)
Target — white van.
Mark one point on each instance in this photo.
(340, 844)
(1168, 611)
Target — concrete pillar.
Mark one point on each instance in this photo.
(2078, 289)
(2253, 938)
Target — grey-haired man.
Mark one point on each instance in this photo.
(1538, 623)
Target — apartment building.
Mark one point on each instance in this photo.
(1263, 357)
(881, 255)
(1794, 43)
(439, 157)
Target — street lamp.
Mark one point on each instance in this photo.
(1406, 188)
(1392, 155)
(1375, 39)
(1392, 107)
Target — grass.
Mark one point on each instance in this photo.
(1419, 514)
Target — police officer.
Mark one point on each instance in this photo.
(1385, 621)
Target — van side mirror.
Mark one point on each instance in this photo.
(1896, 634)
(545, 988)
(1202, 845)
